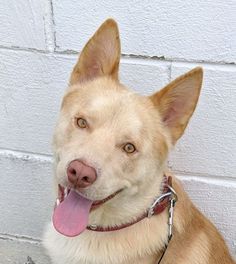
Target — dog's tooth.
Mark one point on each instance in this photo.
(65, 192)
(57, 201)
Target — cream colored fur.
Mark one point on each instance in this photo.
(115, 116)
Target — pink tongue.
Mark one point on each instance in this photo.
(70, 217)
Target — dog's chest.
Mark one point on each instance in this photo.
(141, 260)
(96, 248)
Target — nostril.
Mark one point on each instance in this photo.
(86, 179)
(72, 175)
(73, 171)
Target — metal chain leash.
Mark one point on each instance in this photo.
(173, 200)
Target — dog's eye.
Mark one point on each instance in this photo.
(129, 148)
(82, 123)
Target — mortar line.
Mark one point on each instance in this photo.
(29, 50)
(26, 155)
(203, 176)
(49, 32)
(53, 25)
(27, 239)
(128, 57)
(144, 60)
(179, 60)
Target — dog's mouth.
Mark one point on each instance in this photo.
(97, 203)
(72, 209)
(64, 191)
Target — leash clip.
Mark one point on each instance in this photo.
(173, 193)
(174, 198)
(173, 201)
(157, 201)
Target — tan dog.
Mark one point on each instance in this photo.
(111, 147)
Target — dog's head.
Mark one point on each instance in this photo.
(110, 143)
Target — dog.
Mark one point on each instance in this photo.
(117, 202)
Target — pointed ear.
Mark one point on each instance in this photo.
(100, 56)
(176, 102)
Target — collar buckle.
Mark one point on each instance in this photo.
(156, 202)
(173, 199)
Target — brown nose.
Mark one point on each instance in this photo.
(81, 175)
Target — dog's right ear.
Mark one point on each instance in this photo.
(100, 56)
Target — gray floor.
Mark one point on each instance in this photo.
(16, 252)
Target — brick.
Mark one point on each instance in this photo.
(144, 76)
(31, 88)
(26, 201)
(189, 30)
(216, 199)
(22, 24)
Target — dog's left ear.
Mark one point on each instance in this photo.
(176, 102)
(100, 56)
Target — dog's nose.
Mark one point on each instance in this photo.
(81, 175)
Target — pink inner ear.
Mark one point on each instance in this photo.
(174, 111)
(93, 69)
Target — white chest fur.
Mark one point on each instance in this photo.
(139, 243)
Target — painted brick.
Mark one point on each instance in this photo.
(22, 24)
(31, 89)
(209, 144)
(25, 197)
(144, 77)
(32, 86)
(186, 30)
(216, 199)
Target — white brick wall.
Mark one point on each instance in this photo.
(160, 40)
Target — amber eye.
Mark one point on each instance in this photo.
(129, 148)
(82, 123)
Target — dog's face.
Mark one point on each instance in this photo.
(118, 137)
(110, 142)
